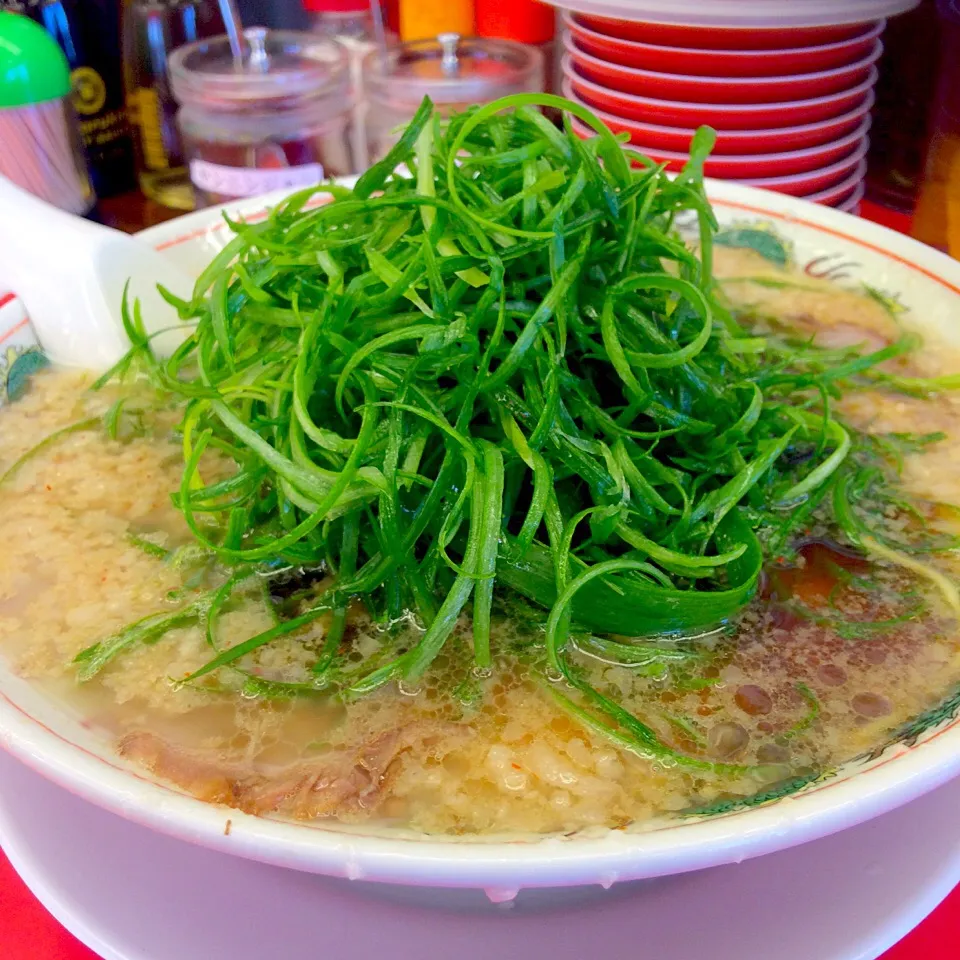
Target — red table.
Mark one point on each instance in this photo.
(28, 932)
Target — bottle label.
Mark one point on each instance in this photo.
(149, 120)
(103, 130)
(99, 127)
(247, 182)
(89, 91)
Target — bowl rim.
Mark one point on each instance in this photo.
(850, 203)
(498, 865)
(729, 29)
(838, 167)
(854, 141)
(856, 113)
(873, 30)
(830, 194)
(639, 73)
(568, 68)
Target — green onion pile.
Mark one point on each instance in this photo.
(493, 368)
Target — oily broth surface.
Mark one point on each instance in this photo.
(461, 754)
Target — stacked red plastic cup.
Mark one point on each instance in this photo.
(787, 87)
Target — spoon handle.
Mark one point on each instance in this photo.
(71, 275)
(234, 27)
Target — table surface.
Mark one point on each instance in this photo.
(28, 932)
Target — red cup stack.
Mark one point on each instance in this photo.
(790, 101)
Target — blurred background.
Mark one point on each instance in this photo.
(156, 108)
(274, 13)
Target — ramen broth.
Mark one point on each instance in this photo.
(789, 691)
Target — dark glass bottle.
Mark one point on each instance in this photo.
(901, 117)
(88, 31)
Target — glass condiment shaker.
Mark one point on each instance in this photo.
(454, 72)
(279, 118)
(342, 18)
(359, 26)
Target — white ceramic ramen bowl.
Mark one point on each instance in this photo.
(58, 744)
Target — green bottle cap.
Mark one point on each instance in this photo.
(32, 67)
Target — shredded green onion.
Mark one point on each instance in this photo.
(494, 367)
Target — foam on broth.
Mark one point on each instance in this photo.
(785, 695)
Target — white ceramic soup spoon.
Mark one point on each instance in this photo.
(70, 274)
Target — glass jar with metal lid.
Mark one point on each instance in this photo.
(279, 116)
(454, 72)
